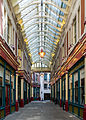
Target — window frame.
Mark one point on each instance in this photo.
(2, 86)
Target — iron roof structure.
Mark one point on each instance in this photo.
(41, 24)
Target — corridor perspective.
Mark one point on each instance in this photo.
(41, 111)
(43, 59)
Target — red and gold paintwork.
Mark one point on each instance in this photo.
(7, 54)
(76, 54)
(24, 75)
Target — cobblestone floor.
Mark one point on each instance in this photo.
(41, 111)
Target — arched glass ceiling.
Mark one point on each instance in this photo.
(41, 24)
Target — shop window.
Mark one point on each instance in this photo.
(1, 17)
(7, 80)
(5, 21)
(1, 85)
(1, 96)
(12, 100)
(9, 31)
(45, 86)
(45, 76)
(56, 89)
(82, 78)
(34, 91)
(12, 88)
(49, 77)
(1, 75)
(36, 78)
(38, 92)
(63, 90)
(49, 86)
(69, 38)
(13, 37)
(78, 22)
(76, 88)
(74, 31)
(70, 87)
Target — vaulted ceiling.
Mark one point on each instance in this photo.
(42, 23)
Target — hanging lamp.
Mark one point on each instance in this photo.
(42, 53)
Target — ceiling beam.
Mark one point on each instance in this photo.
(53, 29)
(26, 13)
(46, 60)
(25, 6)
(38, 2)
(46, 41)
(50, 38)
(39, 69)
(16, 2)
(36, 45)
(58, 28)
(56, 6)
(44, 34)
(32, 52)
(46, 56)
(60, 16)
(46, 16)
(66, 2)
(28, 34)
(40, 47)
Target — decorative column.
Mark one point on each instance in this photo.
(60, 92)
(16, 92)
(66, 85)
(84, 113)
(27, 94)
(22, 93)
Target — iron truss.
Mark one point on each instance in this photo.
(41, 24)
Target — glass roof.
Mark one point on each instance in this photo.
(42, 23)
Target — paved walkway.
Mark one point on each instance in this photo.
(41, 111)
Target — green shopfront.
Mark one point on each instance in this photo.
(7, 89)
(36, 93)
(76, 89)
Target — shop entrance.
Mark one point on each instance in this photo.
(46, 96)
(7, 99)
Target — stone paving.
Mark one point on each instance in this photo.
(43, 110)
